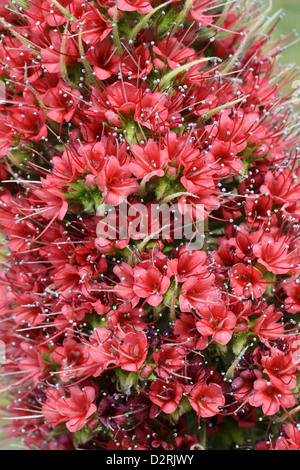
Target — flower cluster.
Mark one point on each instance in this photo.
(138, 341)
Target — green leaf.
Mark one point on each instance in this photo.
(96, 320)
(88, 197)
(82, 436)
(127, 380)
(239, 342)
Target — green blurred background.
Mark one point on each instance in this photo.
(289, 23)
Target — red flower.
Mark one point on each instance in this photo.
(169, 360)
(52, 54)
(270, 397)
(259, 212)
(61, 102)
(133, 351)
(105, 62)
(103, 350)
(185, 328)
(28, 122)
(124, 289)
(56, 204)
(99, 107)
(267, 326)
(273, 254)
(93, 25)
(32, 364)
(292, 302)
(197, 292)
(150, 284)
(115, 182)
(73, 411)
(187, 263)
(172, 51)
(148, 161)
(281, 187)
(280, 367)
(30, 310)
(206, 399)
(152, 111)
(290, 438)
(225, 155)
(72, 357)
(126, 319)
(140, 6)
(137, 64)
(243, 384)
(216, 321)
(166, 395)
(247, 281)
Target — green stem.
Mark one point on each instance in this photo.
(64, 11)
(172, 309)
(230, 372)
(85, 62)
(202, 439)
(145, 20)
(224, 106)
(167, 78)
(63, 66)
(175, 196)
(21, 3)
(27, 43)
(181, 17)
(116, 36)
(246, 41)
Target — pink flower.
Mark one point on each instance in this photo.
(93, 25)
(140, 6)
(148, 161)
(187, 263)
(71, 357)
(74, 411)
(166, 395)
(273, 254)
(206, 399)
(270, 397)
(152, 111)
(150, 284)
(247, 280)
(61, 102)
(115, 182)
(196, 292)
(216, 321)
(133, 351)
(267, 326)
(169, 360)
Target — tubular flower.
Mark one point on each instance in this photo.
(149, 210)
